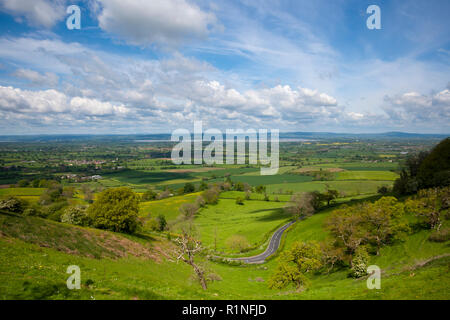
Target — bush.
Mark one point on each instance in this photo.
(383, 190)
(239, 201)
(13, 204)
(116, 209)
(149, 195)
(188, 188)
(188, 210)
(200, 202)
(162, 223)
(54, 211)
(211, 196)
(360, 262)
(76, 216)
(33, 211)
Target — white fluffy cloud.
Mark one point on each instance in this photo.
(50, 101)
(277, 102)
(39, 13)
(143, 22)
(104, 90)
(413, 107)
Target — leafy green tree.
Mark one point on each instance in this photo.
(162, 222)
(425, 170)
(329, 195)
(188, 188)
(316, 200)
(301, 259)
(374, 224)
(203, 186)
(53, 194)
(239, 186)
(149, 195)
(384, 222)
(434, 170)
(345, 225)
(115, 209)
(430, 205)
(260, 189)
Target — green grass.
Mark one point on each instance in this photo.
(34, 267)
(255, 180)
(169, 207)
(254, 220)
(254, 196)
(361, 166)
(21, 191)
(367, 175)
(348, 187)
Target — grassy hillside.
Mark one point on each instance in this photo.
(36, 252)
(255, 220)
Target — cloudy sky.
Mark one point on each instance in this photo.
(141, 66)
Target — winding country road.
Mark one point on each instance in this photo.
(271, 248)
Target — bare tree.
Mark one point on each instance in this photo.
(300, 205)
(188, 247)
(188, 210)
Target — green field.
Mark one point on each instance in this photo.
(169, 207)
(255, 220)
(366, 175)
(348, 187)
(21, 191)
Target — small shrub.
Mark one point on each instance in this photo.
(13, 204)
(360, 262)
(76, 216)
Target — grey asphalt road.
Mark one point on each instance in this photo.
(271, 248)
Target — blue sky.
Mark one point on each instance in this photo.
(142, 66)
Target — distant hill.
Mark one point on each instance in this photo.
(167, 136)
